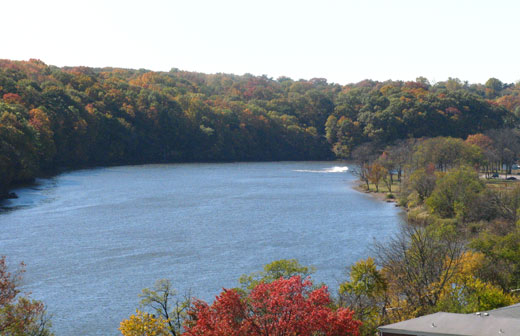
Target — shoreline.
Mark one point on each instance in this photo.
(380, 196)
(8, 191)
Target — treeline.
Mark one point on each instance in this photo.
(52, 118)
(459, 250)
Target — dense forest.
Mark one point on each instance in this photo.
(435, 147)
(56, 118)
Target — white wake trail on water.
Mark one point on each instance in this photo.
(336, 169)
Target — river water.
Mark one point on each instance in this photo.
(92, 239)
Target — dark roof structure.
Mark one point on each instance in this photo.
(498, 322)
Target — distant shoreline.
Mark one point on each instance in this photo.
(8, 192)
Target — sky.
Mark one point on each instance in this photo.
(343, 41)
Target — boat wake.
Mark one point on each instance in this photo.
(336, 169)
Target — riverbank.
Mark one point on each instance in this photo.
(381, 195)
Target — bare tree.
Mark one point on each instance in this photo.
(418, 262)
(164, 300)
(362, 173)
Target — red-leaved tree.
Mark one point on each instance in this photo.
(283, 307)
(19, 315)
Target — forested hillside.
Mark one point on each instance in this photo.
(53, 118)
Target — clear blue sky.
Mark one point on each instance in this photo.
(343, 41)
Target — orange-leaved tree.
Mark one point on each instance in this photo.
(19, 315)
(283, 307)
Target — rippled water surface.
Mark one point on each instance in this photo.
(92, 239)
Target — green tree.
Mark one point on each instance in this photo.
(422, 181)
(493, 87)
(284, 268)
(365, 294)
(455, 193)
(446, 153)
(331, 129)
(502, 263)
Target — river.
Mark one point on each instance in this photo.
(92, 239)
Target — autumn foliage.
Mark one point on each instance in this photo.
(54, 117)
(19, 315)
(283, 307)
(143, 323)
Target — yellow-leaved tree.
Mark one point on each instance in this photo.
(467, 293)
(144, 324)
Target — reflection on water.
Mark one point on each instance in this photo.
(92, 239)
